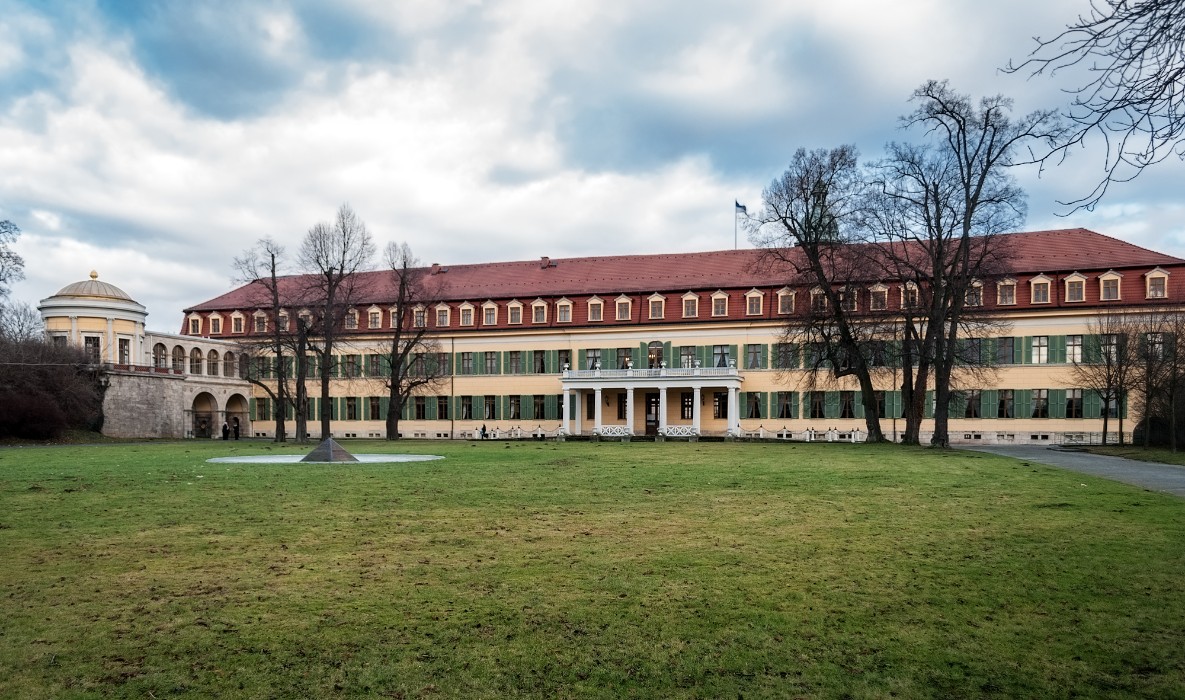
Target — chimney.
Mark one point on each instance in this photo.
(544, 262)
(435, 269)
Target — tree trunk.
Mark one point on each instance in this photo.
(394, 411)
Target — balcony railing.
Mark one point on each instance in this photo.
(656, 373)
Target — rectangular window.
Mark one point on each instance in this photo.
(353, 366)
(818, 303)
(621, 407)
(1073, 348)
(490, 317)
(881, 404)
(785, 303)
(973, 399)
(418, 368)
(125, 352)
(625, 358)
(215, 326)
(686, 407)
(687, 356)
(1004, 350)
(195, 326)
(785, 401)
(1041, 293)
(516, 362)
(466, 317)
(491, 360)
(909, 297)
(516, 407)
(1154, 343)
(351, 321)
(847, 404)
(1040, 403)
(466, 363)
(623, 311)
(466, 408)
(592, 358)
(564, 313)
(1073, 403)
(974, 296)
(443, 365)
(1004, 406)
(720, 356)
(1007, 294)
(719, 404)
(1111, 407)
(441, 408)
(515, 314)
(375, 404)
(818, 403)
(1110, 291)
(1156, 287)
(753, 356)
(1040, 349)
(91, 347)
(351, 408)
(284, 323)
(490, 408)
(419, 408)
(590, 405)
(878, 299)
(261, 324)
(539, 314)
(847, 300)
(753, 409)
(1075, 290)
(565, 359)
(1109, 346)
(538, 362)
(374, 319)
(237, 324)
(594, 311)
(753, 305)
(720, 306)
(690, 308)
(263, 409)
(656, 308)
(783, 356)
(537, 407)
(442, 318)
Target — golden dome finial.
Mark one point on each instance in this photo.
(94, 275)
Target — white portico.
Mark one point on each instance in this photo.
(691, 387)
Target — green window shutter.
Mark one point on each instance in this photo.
(642, 357)
(251, 410)
(1022, 350)
(858, 405)
(831, 404)
(526, 406)
(430, 408)
(364, 409)
(506, 408)
(668, 354)
(743, 402)
(795, 398)
(1092, 404)
(1057, 403)
(1123, 404)
(989, 403)
(732, 355)
(1057, 349)
(1027, 342)
(928, 409)
(704, 355)
(1092, 350)
(384, 407)
(551, 361)
(1023, 403)
(766, 406)
(958, 405)
(795, 356)
(988, 351)
(551, 406)
(457, 363)
(765, 356)
(581, 359)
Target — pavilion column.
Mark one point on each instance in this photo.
(734, 411)
(695, 412)
(564, 412)
(577, 424)
(597, 410)
(662, 410)
(629, 410)
(112, 352)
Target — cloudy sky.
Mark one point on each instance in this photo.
(155, 141)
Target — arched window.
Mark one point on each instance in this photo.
(654, 355)
(195, 361)
(178, 359)
(160, 355)
(228, 365)
(212, 363)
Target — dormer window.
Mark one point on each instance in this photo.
(1156, 284)
(974, 294)
(878, 297)
(1075, 288)
(443, 316)
(719, 304)
(753, 302)
(909, 296)
(374, 317)
(563, 311)
(657, 304)
(624, 308)
(419, 317)
(260, 319)
(351, 321)
(539, 311)
(1109, 286)
(1006, 292)
(195, 325)
(690, 305)
(215, 325)
(818, 301)
(489, 314)
(514, 313)
(236, 322)
(596, 309)
(1039, 289)
(785, 301)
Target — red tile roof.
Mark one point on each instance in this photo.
(1064, 250)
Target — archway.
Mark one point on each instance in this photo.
(237, 416)
(205, 413)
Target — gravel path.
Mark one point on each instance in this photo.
(1150, 475)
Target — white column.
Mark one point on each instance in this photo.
(695, 399)
(112, 351)
(629, 410)
(577, 426)
(597, 410)
(74, 339)
(734, 412)
(662, 410)
(564, 412)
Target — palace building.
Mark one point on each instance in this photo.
(688, 345)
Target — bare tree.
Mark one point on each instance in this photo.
(12, 266)
(19, 321)
(1133, 55)
(941, 206)
(333, 254)
(1107, 365)
(1151, 337)
(803, 228)
(414, 354)
(261, 267)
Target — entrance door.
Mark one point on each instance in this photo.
(652, 414)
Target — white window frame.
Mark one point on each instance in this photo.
(560, 306)
(783, 294)
(215, 320)
(1038, 281)
(629, 306)
(511, 308)
(719, 295)
(195, 318)
(1156, 274)
(1108, 276)
(1080, 279)
(538, 306)
(461, 314)
(883, 292)
(600, 306)
(694, 299)
(447, 311)
(486, 308)
(662, 306)
(750, 296)
(1000, 286)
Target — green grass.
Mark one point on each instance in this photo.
(604, 570)
(1139, 453)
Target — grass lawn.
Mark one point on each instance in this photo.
(605, 570)
(1151, 454)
